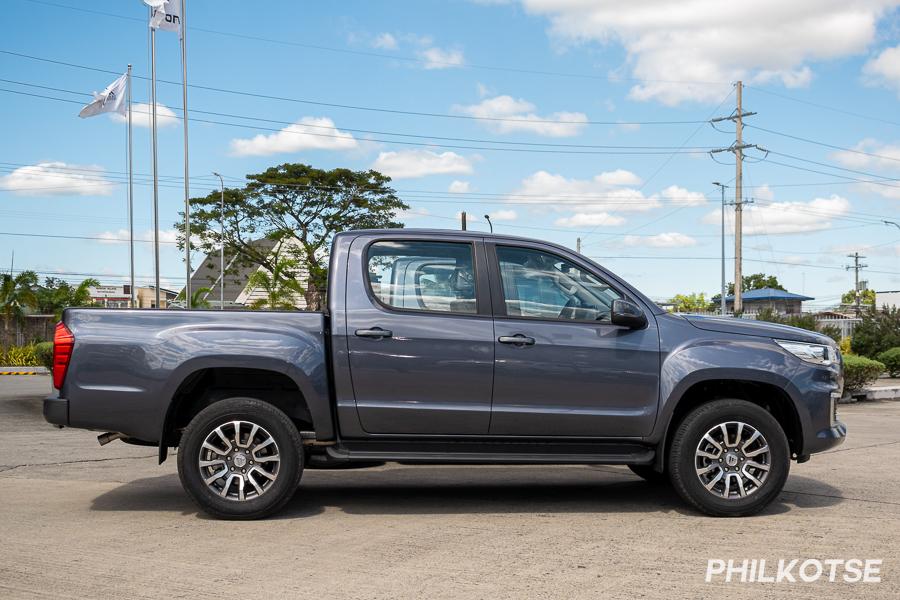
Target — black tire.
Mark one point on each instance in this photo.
(276, 424)
(685, 442)
(649, 474)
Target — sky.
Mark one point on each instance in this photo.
(561, 119)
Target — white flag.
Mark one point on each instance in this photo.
(166, 15)
(112, 99)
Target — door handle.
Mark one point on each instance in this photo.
(375, 332)
(518, 340)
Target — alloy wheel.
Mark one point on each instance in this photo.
(239, 460)
(732, 460)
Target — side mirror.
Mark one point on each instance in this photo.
(628, 314)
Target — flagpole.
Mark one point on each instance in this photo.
(155, 166)
(130, 191)
(187, 185)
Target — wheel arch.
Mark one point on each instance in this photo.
(762, 391)
(201, 383)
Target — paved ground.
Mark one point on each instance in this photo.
(80, 521)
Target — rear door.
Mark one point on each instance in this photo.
(562, 369)
(420, 340)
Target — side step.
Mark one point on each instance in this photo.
(523, 453)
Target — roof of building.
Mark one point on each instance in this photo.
(768, 294)
(236, 275)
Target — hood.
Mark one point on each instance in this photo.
(757, 328)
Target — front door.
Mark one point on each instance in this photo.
(421, 343)
(561, 368)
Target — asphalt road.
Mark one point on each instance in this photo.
(80, 521)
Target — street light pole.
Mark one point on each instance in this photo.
(722, 307)
(221, 241)
(491, 225)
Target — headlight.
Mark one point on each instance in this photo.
(814, 353)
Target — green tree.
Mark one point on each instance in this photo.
(691, 302)
(280, 286)
(878, 331)
(56, 295)
(17, 295)
(300, 208)
(198, 297)
(757, 281)
(866, 297)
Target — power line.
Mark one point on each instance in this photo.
(401, 142)
(824, 106)
(825, 144)
(348, 106)
(393, 57)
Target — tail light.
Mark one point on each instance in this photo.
(63, 342)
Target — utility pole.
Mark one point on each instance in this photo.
(578, 245)
(462, 217)
(856, 266)
(722, 306)
(737, 148)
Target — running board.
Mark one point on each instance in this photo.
(522, 453)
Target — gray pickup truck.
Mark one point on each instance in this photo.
(453, 347)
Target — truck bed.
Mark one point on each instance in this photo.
(127, 364)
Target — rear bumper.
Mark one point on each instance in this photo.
(56, 411)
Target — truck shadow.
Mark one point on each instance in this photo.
(398, 490)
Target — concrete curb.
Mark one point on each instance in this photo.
(24, 371)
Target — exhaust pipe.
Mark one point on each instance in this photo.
(105, 438)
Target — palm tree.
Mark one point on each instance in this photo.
(279, 285)
(198, 297)
(17, 293)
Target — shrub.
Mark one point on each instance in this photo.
(44, 353)
(21, 356)
(891, 360)
(858, 371)
(878, 331)
(845, 346)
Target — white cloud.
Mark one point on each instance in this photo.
(439, 58)
(523, 117)
(309, 133)
(668, 44)
(408, 164)
(459, 187)
(663, 240)
(57, 179)
(602, 193)
(785, 217)
(140, 116)
(884, 69)
(680, 196)
(503, 215)
(385, 41)
(590, 219)
(889, 155)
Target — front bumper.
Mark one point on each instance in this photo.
(56, 411)
(830, 438)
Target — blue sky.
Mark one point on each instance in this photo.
(553, 83)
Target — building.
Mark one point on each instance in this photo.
(236, 289)
(782, 302)
(890, 299)
(119, 296)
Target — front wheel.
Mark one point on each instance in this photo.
(729, 458)
(240, 458)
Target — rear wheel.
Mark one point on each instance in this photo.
(729, 458)
(240, 458)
